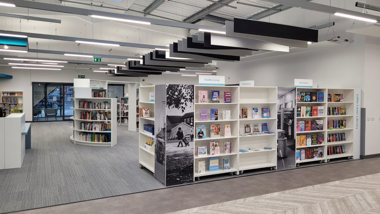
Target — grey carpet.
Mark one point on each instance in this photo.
(56, 171)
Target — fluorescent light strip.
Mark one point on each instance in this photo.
(359, 18)
(14, 51)
(161, 49)
(134, 59)
(34, 60)
(99, 71)
(203, 73)
(36, 65)
(79, 55)
(106, 68)
(116, 65)
(212, 31)
(33, 68)
(188, 75)
(4, 4)
(13, 35)
(120, 19)
(98, 43)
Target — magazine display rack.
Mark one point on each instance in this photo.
(146, 119)
(324, 124)
(12, 101)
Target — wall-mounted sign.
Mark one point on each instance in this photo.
(97, 59)
(303, 83)
(249, 83)
(81, 76)
(212, 80)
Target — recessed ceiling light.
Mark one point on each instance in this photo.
(120, 19)
(359, 18)
(98, 43)
(34, 60)
(36, 65)
(212, 31)
(5, 4)
(79, 55)
(34, 68)
(14, 51)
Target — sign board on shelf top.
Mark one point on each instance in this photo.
(249, 83)
(212, 80)
(303, 83)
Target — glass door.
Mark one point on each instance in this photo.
(68, 96)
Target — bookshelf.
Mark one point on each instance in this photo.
(95, 122)
(225, 119)
(123, 111)
(329, 139)
(257, 130)
(146, 119)
(12, 101)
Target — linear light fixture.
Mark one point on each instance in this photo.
(204, 73)
(106, 68)
(14, 51)
(116, 65)
(34, 68)
(120, 19)
(212, 31)
(13, 35)
(134, 59)
(36, 65)
(97, 43)
(100, 71)
(359, 18)
(34, 60)
(79, 55)
(161, 49)
(5, 4)
(188, 75)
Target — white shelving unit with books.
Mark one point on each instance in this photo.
(123, 111)
(146, 121)
(95, 122)
(12, 101)
(216, 130)
(257, 128)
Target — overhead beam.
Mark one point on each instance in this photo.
(34, 18)
(154, 5)
(209, 9)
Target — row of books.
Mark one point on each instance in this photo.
(96, 138)
(213, 165)
(309, 153)
(215, 96)
(336, 110)
(214, 149)
(335, 150)
(309, 125)
(99, 94)
(95, 115)
(214, 114)
(336, 137)
(337, 124)
(256, 128)
(265, 113)
(310, 111)
(149, 128)
(310, 140)
(310, 96)
(12, 93)
(335, 98)
(13, 100)
(94, 105)
(95, 126)
(215, 131)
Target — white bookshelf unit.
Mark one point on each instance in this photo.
(12, 101)
(146, 139)
(232, 120)
(320, 139)
(123, 112)
(258, 147)
(95, 122)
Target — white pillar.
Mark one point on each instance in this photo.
(132, 113)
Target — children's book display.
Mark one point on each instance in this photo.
(214, 114)
(309, 153)
(335, 98)
(201, 132)
(309, 125)
(202, 151)
(303, 96)
(310, 111)
(310, 140)
(215, 130)
(256, 128)
(215, 96)
(203, 96)
(213, 164)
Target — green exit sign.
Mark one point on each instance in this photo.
(97, 59)
(81, 76)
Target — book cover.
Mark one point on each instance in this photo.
(214, 114)
(215, 96)
(321, 110)
(303, 111)
(226, 114)
(227, 147)
(308, 111)
(244, 113)
(215, 130)
(298, 155)
(217, 148)
(201, 166)
(255, 113)
(202, 151)
(203, 114)
(201, 132)
(321, 96)
(314, 97)
(302, 126)
(303, 154)
(298, 111)
(298, 140)
(265, 113)
(247, 129)
(315, 111)
(256, 128)
(227, 130)
(227, 96)
(212, 148)
(314, 125)
(308, 140)
(307, 125)
(302, 97)
(302, 140)
(213, 164)
(264, 128)
(314, 139)
(321, 138)
(299, 96)
(203, 96)
(226, 163)
(298, 126)
(319, 124)
(151, 96)
(320, 152)
(307, 97)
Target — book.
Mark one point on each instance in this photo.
(214, 114)
(215, 96)
(307, 97)
(215, 130)
(314, 140)
(213, 164)
(203, 96)
(203, 114)
(303, 154)
(302, 126)
(321, 110)
(303, 111)
(302, 140)
(201, 132)
(227, 147)
(320, 138)
(212, 148)
(319, 124)
(315, 111)
(201, 166)
(265, 113)
(247, 129)
(256, 128)
(321, 96)
(298, 126)
(226, 114)
(217, 148)
(298, 140)
(255, 113)
(145, 112)
(202, 151)
(298, 155)
(308, 140)
(151, 96)
(298, 111)
(264, 128)
(302, 99)
(307, 125)
(313, 96)
(227, 130)
(308, 111)
(226, 163)
(227, 96)
(244, 113)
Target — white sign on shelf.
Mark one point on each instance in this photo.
(303, 83)
(212, 80)
(250, 83)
